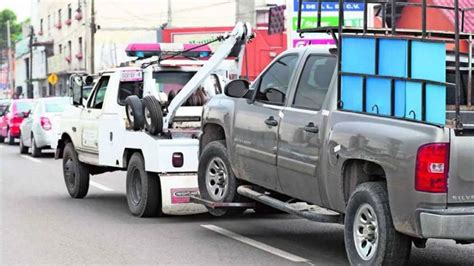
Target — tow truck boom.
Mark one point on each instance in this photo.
(233, 45)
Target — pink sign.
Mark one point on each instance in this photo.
(181, 195)
(306, 42)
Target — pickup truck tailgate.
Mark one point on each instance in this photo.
(461, 169)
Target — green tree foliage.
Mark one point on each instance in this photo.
(15, 27)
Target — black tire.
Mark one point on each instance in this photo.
(216, 152)
(2, 139)
(35, 151)
(369, 202)
(134, 111)
(23, 148)
(11, 140)
(143, 189)
(171, 96)
(153, 115)
(76, 174)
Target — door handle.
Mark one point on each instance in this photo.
(311, 128)
(73, 129)
(271, 122)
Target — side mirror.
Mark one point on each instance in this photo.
(76, 86)
(237, 88)
(22, 114)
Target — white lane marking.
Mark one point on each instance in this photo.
(254, 243)
(31, 158)
(99, 186)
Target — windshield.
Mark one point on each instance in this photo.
(167, 81)
(56, 105)
(23, 106)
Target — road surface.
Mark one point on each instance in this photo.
(41, 224)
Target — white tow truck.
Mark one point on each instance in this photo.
(146, 120)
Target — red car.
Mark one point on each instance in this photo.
(11, 119)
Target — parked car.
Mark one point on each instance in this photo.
(11, 120)
(40, 128)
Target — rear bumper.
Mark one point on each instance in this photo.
(452, 223)
(15, 131)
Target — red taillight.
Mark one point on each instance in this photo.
(45, 123)
(177, 159)
(432, 167)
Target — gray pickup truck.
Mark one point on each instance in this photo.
(282, 139)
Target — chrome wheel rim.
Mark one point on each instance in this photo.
(217, 179)
(147, 116)
(366, 232)
(130, 114)
(136, 193)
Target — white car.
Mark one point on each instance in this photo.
(40, 129)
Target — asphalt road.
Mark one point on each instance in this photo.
(41, 224)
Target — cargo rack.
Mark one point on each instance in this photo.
(338, 32)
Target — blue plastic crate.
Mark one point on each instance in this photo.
(351, 93)
(393, 57)
(378, 94)
(428, 60)
(358, 55)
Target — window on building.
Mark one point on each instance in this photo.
(41, 26)
(78, 6)
(59, 16)
(80, 45)
(69, 46)
(69, 11)
(49, 23)
(60, 49)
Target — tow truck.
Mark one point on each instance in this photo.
(146, 120)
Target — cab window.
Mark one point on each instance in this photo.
(273, 85)
(99, 93)
(314, 82)
(129, 88)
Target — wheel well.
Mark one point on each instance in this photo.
(356, 172)
(65, 138)
(211, 132)
(127, 154)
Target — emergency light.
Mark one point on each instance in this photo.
(144, 50)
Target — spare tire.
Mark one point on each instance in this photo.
(134, 110)
(153, 115)
(171, 96)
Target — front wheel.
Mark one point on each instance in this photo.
(216, 179)
(369, 234)
(76, 174)
(23, 148)
(143, 189)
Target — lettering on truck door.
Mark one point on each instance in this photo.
(90, 117)
(300, 139)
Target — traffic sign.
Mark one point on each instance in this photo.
(53, 79)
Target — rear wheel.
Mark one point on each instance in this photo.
(11, 140)
(216, 179)
(23, 148)
(369, 234)
(76, 174)
(35, 151)
(143, 189)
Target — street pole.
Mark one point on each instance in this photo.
(29, 89)
(93, 28)
(9, 55)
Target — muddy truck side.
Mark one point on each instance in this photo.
(282, 139)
